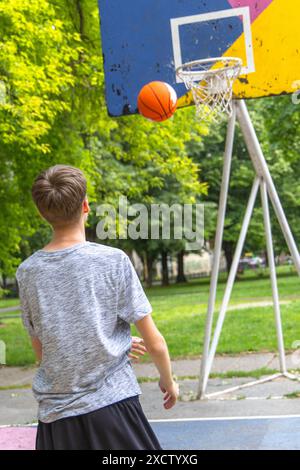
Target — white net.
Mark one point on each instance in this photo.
(211, 82)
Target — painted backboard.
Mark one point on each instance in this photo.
(146, 40)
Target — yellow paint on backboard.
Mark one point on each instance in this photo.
(276, 44)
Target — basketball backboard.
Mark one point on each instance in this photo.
(146, 40)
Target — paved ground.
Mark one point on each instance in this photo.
(262, 400)
(17, 438)
(18, 406)
(181, 368)
(243, 362)
(211, 429)
(279, 397)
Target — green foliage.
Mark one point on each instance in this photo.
(277, 122)
(53, 110)
(209, 154)
(36, 57)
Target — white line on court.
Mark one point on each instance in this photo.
(167, 420)
(224, 418)
(33, 425)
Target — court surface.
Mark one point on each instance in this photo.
(254, 433)
(245, 433)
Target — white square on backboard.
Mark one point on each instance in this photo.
(244, 12)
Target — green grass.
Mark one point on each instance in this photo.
(15, 387)
(248, 288)
(293, 395)
(231, 374)
(250, 329)
(8, 302)
(18, 345)
(179, 312)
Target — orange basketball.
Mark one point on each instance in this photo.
(157, 101)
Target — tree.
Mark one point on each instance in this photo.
(35, 58)
(53, 110)
(278, 122)
(209, 155)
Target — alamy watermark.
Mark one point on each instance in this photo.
(152, 222)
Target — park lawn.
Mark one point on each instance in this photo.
(8, 302)
(179, 311)
(244, 330)
(18, 345)
(246, 290)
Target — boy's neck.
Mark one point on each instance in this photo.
(66, 237)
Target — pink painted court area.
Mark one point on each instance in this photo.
(17, 438)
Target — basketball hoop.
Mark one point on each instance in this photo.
(211, 82)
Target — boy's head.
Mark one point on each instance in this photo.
(60, 195)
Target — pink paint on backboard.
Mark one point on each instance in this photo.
(256, 6)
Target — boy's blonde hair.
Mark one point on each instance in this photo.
(58, 193)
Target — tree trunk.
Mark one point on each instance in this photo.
(228, 252)
(165, 270)
(148, 269)
(145, 270)
(266, 258)
(4, 281)
(180, 267)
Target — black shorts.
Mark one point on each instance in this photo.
(120, 426)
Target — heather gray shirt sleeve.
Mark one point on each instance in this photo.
(24, 304)
(133, 304)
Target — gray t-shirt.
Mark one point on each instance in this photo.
(79, 302)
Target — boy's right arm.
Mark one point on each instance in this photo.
(158, 350)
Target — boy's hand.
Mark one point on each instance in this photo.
(137, 347)
(171, 393)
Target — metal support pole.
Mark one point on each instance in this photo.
(230, 281)
(246, 385)
(264, 180)
(262, 169)
(218, 245)
(272, 267)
